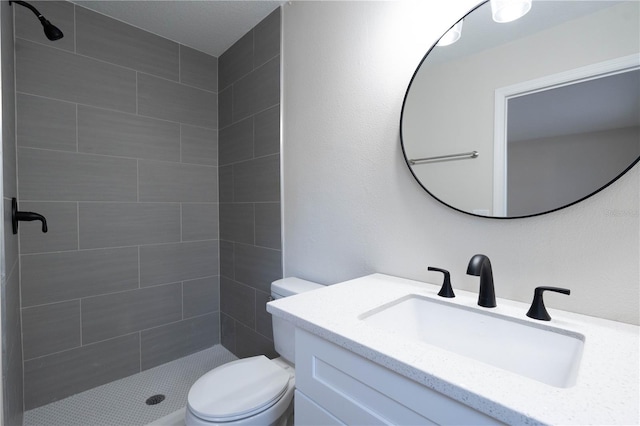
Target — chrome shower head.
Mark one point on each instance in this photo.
(51, 31)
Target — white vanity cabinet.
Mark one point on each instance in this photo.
(353, 371)
(335, 386)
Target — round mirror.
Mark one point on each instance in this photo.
(523, 118)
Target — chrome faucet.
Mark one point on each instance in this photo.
(480, 265)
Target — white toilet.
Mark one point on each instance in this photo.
(256, 390)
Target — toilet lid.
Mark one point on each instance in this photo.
(238, 389)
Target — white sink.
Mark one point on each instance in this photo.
(543, 353)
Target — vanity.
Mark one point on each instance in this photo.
(373, 350)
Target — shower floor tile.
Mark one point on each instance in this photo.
(122, 403)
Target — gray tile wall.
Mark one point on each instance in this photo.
(117, 135)
(12, 371)
(249, 186)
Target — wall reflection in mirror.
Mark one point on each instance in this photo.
(550, 103)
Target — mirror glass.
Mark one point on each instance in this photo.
(522, 118)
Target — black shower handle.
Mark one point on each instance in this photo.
(25, 216)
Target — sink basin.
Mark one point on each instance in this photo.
(546, 354)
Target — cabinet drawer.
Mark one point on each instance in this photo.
(358, 391)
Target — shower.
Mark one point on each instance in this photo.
(51, 31)
(134, 129)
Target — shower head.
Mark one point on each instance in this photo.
(51, 31)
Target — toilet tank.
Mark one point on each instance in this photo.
(284, 331)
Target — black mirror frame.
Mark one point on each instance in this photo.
(406, 158)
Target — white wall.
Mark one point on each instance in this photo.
(351, 206)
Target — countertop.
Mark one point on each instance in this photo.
(607, 390)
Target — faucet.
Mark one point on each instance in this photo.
(480, 265)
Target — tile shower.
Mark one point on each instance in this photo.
(117, 140)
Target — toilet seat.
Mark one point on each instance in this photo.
(238, 390)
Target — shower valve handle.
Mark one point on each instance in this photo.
(25, 216)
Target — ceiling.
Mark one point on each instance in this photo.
(210, 26)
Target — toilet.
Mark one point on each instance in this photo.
(255, 390)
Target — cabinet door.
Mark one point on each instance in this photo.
(358, 391)
(308, 413)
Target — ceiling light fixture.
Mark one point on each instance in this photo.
(509, 10)
(452, 35)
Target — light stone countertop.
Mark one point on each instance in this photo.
(607, 390)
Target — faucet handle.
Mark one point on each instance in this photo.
(537, 309)
(446, 290)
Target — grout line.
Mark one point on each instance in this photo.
(232, 96)
(236, 121)
(80, 303)
(253, 136)
(75, 29)
(113, 110)
(77, 131)
(252, 245)
(137, 112)
(254, 69)
(138, 180)
(255, 311)
(78, 347)
(266, 60)
(180, 142)
(139, 272)
(152, 160)
(253, 211)
(121, 247)
(125, 334)
(124, 67)
(253, 47)
(39, 305)
(77, 226)
(250, 159)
